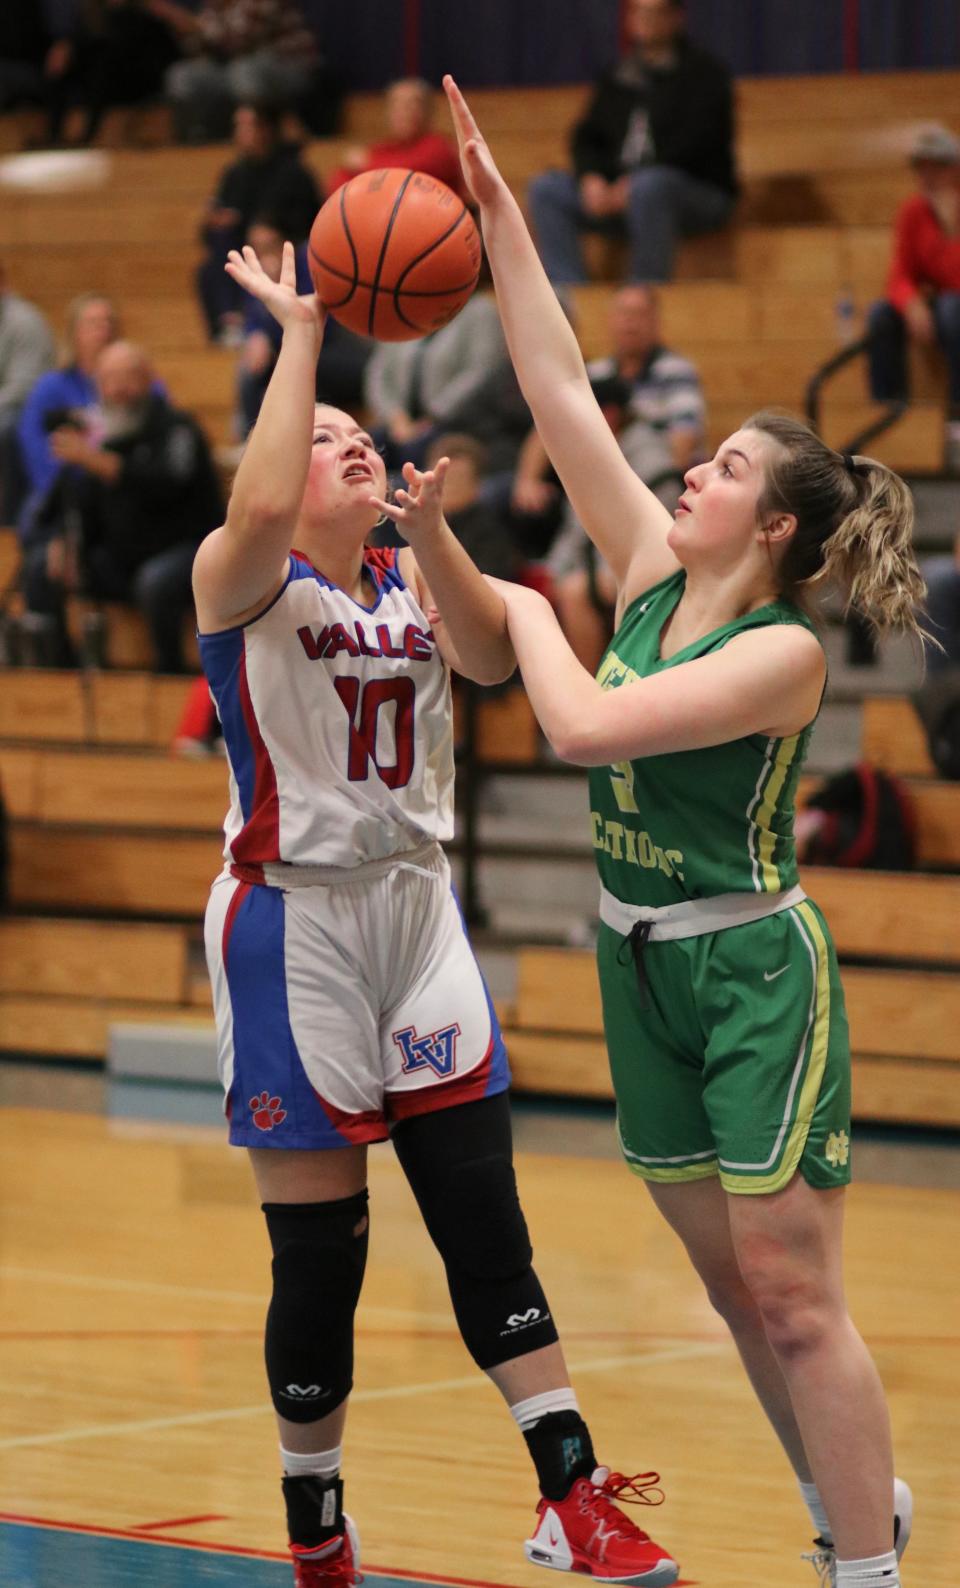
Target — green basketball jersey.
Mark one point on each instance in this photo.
(695, 822)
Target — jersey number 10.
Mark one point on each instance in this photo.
(364, 713)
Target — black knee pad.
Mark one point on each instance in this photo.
(468, 1197)
(478, 1219)
(319, 1256)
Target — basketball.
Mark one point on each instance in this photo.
(394, 254)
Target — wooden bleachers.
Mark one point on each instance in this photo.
(903, 1022)
(44, 705)
(63, 983)
(105, 824)
(114, 844)
(893, 738)
(824, 166)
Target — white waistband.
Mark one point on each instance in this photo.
(422, 859)
(694, 917)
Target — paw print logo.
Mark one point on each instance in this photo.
(267, 1111)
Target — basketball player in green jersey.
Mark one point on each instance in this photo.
(722, 1004)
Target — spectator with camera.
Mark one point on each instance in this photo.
(128, 509)
(63, 395)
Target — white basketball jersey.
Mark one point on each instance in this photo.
(337, 724)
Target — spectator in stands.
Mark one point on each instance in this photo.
(267, 175)
(410, 143)
(26, 352)
(652, 156)
(415, 390)
(582, 586)
(923, 288)
(116, 53)
(343, 356)
(654, 402)
(664, 389)
(479, 528)
(240, 51)
(125, 520)
(63, 394)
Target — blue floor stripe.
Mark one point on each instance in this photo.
(42, 1557)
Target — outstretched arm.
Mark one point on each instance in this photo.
(241, 566)
(471, 630)
(624, 520)
(765, 681)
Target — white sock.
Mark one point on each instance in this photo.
(818, 1516)
(880, 1571)
(318, 1464)
(526, 1414)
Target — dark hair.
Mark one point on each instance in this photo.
(268, 113)
(854, 524)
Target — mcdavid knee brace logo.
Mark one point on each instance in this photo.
(524, 1320)
(436, 1051)
(303, 1392)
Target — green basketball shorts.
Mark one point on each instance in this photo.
(735, 1057)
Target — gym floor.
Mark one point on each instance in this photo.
(137, 1444)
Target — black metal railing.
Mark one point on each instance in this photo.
(820, 378)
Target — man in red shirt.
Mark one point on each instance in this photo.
(409, 143)
(923, 287)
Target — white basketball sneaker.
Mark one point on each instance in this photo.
(823, 1558)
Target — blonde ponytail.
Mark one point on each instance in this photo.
(854, 525)
(870, 554)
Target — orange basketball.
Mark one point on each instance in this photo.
(394, 254)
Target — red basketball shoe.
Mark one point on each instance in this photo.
(587, 1533)
(331, 1565)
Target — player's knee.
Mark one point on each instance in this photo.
(731, 1299)
(478, 1220)
(319, 1257)
(482, 1236)
(793, 1304)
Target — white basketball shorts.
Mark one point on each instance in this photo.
(344, 1006)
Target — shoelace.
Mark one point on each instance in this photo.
(824, 1563)
(323, 1573)
(642, 1489)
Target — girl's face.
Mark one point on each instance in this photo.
(345, 470)
(716, 518)
(95, 327)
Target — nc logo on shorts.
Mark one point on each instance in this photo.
(437, 1051)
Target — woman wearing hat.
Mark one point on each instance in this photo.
(923, 287)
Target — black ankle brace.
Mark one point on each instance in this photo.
(562, 1452)
(314, 1509)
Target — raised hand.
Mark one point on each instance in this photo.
(479, 167)
(280, 297)
(418, 510)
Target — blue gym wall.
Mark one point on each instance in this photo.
(488, 42)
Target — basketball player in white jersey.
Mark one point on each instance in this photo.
(348, 1001)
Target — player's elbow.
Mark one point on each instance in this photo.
(582, 744)
(572, 743)
(488, 672)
